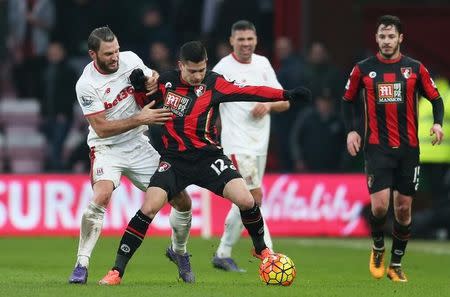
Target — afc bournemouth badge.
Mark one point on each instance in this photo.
(163, 166)
(406, 71)
(200, 90)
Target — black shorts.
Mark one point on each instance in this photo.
(397, 169)
(212, 172)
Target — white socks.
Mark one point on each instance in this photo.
(232, 232)
(180, 221)
(91, 227)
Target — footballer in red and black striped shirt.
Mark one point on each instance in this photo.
(390, 84)
(195, 106)
(191, 153)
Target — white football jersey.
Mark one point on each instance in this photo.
(112, 93)
(241, 132)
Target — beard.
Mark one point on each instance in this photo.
(389, 55)
(107, 68)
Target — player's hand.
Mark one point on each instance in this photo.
(439, 134)
(260, 110)
(353, 143)
(151, 85)
(298, 93)
(138, 80)
(149, 116)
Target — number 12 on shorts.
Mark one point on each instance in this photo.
(219, 166)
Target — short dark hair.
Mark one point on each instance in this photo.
(193, 51)
(242, 25)
(390, 20)
(98, 35)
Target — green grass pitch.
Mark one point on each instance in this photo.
(325, 267)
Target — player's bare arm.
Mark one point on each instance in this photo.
(147, 116)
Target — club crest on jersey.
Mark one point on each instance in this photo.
(176, 103)
(200, 90)
(389, 92)
(168, 85)
(406, 72)
(86, 101)
(163, 166)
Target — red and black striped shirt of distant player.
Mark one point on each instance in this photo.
(192, 130)
(390, 90)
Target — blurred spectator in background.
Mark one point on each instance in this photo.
(221, 49)
(74, 21)
(152, 28)
(3, 32)
(320, 73)
(30, 23)
(160, 57)
(231, 11)
(57, 104)
(435, 170)
(75, 150)
(317, 138)
(187, 10)
(290, 75)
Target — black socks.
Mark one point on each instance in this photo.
(400, 237)
(131, 240)
(254, 224)
(377, 225)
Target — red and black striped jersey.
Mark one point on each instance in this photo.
(192, 131)
(390, 90)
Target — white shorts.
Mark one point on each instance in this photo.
(136, 159)
(251, 168)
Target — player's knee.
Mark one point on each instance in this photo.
(149, 211)
(181, 202)
(379, 210)
(257, 196)
(246, 202)
(403, 213)
(102, 198)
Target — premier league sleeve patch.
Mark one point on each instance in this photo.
(86, 101)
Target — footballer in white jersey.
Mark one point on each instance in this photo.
(242, 133)
(245, 130)
(117, 141)
(112, 93)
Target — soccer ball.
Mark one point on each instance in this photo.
(277, 269)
